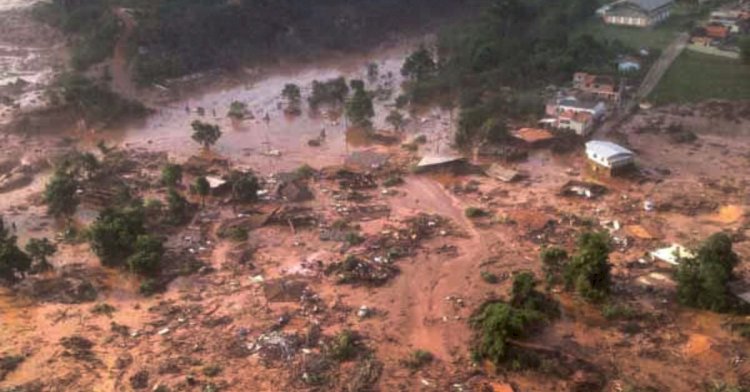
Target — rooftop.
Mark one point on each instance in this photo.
(606, 149)
(533, 135)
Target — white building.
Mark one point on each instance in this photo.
(609, 155)
(640, 13)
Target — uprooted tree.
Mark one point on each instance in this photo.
(703, 281)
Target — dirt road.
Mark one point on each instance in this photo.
(660, 67)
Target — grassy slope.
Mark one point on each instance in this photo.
(697, 77)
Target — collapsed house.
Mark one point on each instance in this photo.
(672, 254)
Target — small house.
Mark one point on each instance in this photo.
(581, 123)
(601, 86)
(717, 31)
(534, 136)
(638, 13)
(628, 64)
(609, 157)
(571, 104)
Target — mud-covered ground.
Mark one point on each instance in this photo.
(260, 313)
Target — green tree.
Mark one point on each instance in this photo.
(553, 264)
(396, 120)
(237, 110)
(745, 49)
(333, 91)
(203, 188)
(419, 65)
(13, 261)
(359, 109)
(703, 282)
(60, 194)
(293, 96)
(178, 208)
(245, 187)
(205, 134)
(171, 174)
(39, 250)
(588, 271)
(146, 260)
(114, 234)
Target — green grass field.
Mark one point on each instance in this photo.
(658, 37)
(696, 77)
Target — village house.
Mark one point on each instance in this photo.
(716, 31)
(600, 86)
(581, 123)
(609, 157)
(638, 13)
(572, 104)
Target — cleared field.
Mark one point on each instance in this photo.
(696, 77)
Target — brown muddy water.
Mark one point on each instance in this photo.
(277, 142)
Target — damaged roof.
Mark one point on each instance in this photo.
(433, 160)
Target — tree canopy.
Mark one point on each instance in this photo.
(114, 234)
(359, 109)
(171, 174)
(205, 134)
(13, 261)
(39, 250)
(588, 272)
(60, 194)
(702, 282)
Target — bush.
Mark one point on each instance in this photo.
(114, 234)
(212, 370)
(354, 239)
(171, 174)
(147, 257)
(103, 308)
(588, 272)
(60, 194)
(235, 233)
(489, 277)
(418, 359)
(344, 346)
(474, 212)
(392, 181)
(703, 282)
(553, 264)
(618, 312)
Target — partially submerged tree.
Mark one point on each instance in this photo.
(202, 188)
(13, 261)
(333, 91)
(588, 272)
(396, 120)
(39, 250)
(60, 194)
(293, 96)
(237, 110)
(178, 208)
(205, 134)
(171, 174)
(419, 65)
(359, 109)
(114, 234)
(148, 252)
(703, 282)
(245, 187)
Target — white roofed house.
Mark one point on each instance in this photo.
(609, 157)
(638, 13)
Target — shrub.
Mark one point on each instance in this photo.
(618, 312)
(114, 234)
(103, 308)
(588, 272)
(212, 370)
(147, 257)
(235, 233)
(489, 277)
(344, 346)
(393, 181)
(354, 239)
(475, 212)
(702, 282)
(418, 359)
(60, 194)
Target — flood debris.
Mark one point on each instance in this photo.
(587, 190)
(294, 216)
(72, 284)
(276, 346)
(284, 290)
(358, 271)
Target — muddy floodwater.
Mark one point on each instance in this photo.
(271, 140)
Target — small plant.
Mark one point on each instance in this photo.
(489, 277)
(474, 212)
(211, 370)
(418, 359)
(618, 312)
(305, 171)
(235, 233)
(354, 239)
(104, 309)
(237, 110)
(149, 287)
(344, 346)
(393, 181)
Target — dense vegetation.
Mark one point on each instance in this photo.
(703, 282)
(489, 67)
(498, 323)
(177, 37)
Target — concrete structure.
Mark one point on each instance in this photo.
(638, 13)
(628, 64)
(600, 86)
(575, 105)
(582, 123)
(609, 156)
